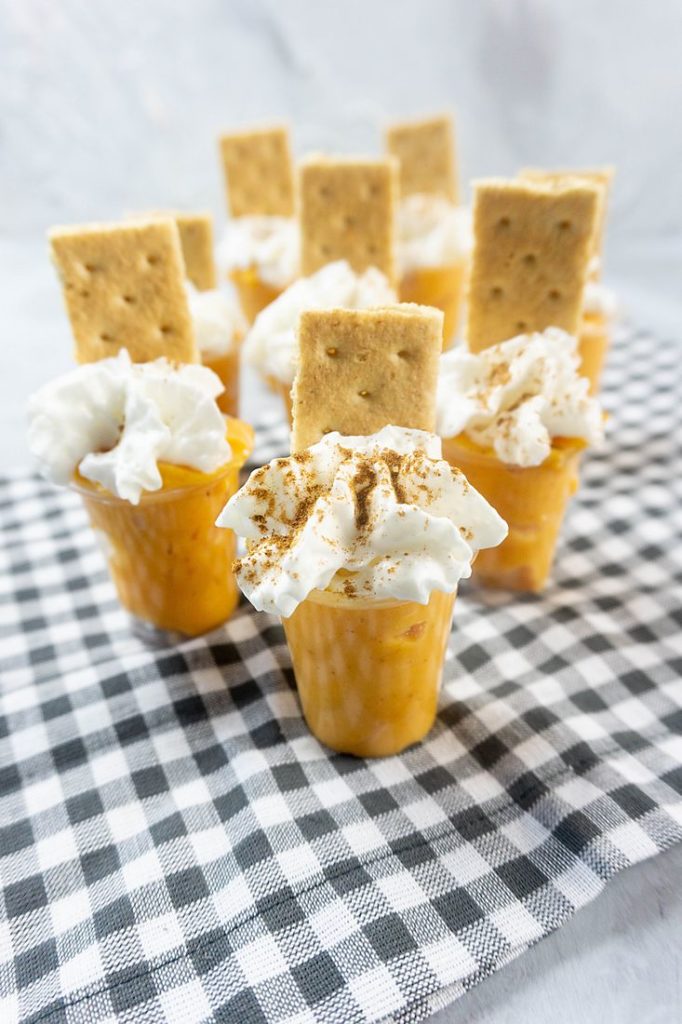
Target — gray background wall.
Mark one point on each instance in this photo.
(113, 106)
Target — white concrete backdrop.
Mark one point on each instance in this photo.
(114, 105)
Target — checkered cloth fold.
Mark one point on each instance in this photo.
(176, 847)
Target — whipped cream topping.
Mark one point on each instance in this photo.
(516, 396)
(115, 420)
(269, 244)
(218, 321)
(598, 300)
(271, 345)
(375, 517)
(432, 232)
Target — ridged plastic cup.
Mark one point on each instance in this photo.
(369, 672)
(170, 564)
(532, 500)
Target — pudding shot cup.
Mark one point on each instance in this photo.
(154, 460)
(358, 544)
(515, 418)
(170, 564)
(369, 672)
(531, 499)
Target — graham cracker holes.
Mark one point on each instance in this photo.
(332, 352)
(496, 292)
(503, 223)
(530, 259)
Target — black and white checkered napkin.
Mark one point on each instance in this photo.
(176, 847)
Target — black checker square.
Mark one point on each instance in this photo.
(522, 876)
(318, 978)
(243, 1008)
(150, 781)
(281, 910)
(99, 863)
(458, 909)
(84, 806)
(130, 988)
(187, 887)
(289, 777)
(252, 850)
(390, 938)
(35, 963)
(29, 894)
(114, 917)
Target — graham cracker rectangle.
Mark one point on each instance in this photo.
(362, 369)
(532, 247)
(124, 287)
(196, 241)
(347, 212)
(425, 150)
(602, 177)
(258, 172)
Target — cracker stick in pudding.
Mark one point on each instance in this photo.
(360, 539)
(599, 302)
(601, 177)
(434, 232)
(532, 247)
(124, 287)
(137, 431)
(362, 369)
(218, 321)
(347, 212)
(259, 252)
(258, 172)
(196, 240)
(513, 412)
(425, 150)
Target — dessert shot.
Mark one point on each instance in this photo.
(600, 306)
(347, 232)
(259, 251)
(359, 539)
(219, 324)
(434, 230)
(513, 410)
(136, 429)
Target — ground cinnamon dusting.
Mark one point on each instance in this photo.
(364, 482)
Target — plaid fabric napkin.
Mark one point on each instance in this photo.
(176, 847)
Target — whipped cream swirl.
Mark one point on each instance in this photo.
(375, 517)
(268, 244)
(217, 319)
(516, 396)
(432, 232)
(271, 345)
(113, 421)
